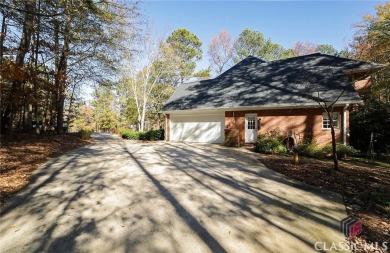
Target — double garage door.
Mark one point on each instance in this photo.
(203, 128)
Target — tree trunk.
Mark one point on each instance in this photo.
(139, 124)
(334, 150)
(37, 35)
(24, 45)
(71, 103)
(159, 121)
(56, 51)
(143, 113)
(60, 114)
(335, 160)
(28, 27)
(61, 74)
(36, 53)
(2, 36)
(142, 125)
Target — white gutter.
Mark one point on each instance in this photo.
(264, 107)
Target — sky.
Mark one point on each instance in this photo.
(285, 22)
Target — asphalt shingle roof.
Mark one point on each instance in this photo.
(291, 82)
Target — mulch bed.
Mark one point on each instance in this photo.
(24, 153)
(359, 184)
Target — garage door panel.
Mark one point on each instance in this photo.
(199, 128)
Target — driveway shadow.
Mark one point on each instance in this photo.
(118, 196)
(246, 191)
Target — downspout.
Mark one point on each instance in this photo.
(345, 124)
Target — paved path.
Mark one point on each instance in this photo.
(120, 196)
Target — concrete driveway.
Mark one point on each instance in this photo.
(120, 196)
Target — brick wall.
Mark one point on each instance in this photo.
(303, 122)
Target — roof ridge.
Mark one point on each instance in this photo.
(194, 82)
(322, 54)
(299, 56)
(188, 83)
(345, 58)
(238, 64)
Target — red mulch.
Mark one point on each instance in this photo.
(356, 182)
(24, 153)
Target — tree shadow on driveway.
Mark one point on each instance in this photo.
(118, 196)
(225, 190)
(182, 212)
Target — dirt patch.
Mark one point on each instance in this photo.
(364, 187)
(24, 153)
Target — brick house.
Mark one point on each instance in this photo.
(256, 97)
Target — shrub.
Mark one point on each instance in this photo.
(143, 136)
(342, 150)
(85, 134)
(131, 135)
(270, 144)
(155, 135)
(152, 135)
(274, 134)
(162, 137)
(310, 148)
(124, 131)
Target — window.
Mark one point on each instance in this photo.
(251, 122)
(326, 121)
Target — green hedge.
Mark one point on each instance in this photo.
(152, 135)
(155, 135)
(131, 135)
(123, 130)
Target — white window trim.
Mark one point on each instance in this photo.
(338, 121)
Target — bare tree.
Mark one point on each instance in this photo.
(326, 99)
(221, 51)
(328, 108)
(304, 48)
(154, 65)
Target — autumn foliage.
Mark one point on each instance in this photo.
(47, 50)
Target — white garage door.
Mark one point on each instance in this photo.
(207, 128)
